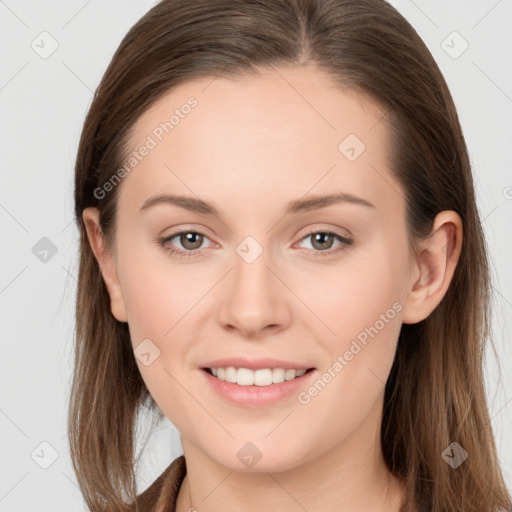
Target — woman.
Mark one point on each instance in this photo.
(281, 253)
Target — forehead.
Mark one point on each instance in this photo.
(277, 135)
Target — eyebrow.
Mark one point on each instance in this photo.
(293, 207)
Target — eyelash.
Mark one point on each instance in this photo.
(164, 243)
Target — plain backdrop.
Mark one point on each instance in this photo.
(43, 101)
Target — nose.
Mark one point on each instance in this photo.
(254, 299)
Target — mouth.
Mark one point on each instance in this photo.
(261, 387)
(262, 377)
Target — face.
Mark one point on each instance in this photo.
(319, 285)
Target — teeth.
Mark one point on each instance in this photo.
(263, 377)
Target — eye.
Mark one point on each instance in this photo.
(190, 240)
(322, 242)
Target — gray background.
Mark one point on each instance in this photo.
(43, 101)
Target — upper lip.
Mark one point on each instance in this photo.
(256, 364)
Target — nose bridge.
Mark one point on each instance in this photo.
(253, 300)
(252, 277)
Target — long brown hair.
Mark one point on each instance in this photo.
(435, 393)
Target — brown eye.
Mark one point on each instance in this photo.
(322, 241)
(191, 240)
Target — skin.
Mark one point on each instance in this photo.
(250, 146)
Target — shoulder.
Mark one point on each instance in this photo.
(162, 494)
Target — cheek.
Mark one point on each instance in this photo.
(361, 308)
(364, 313)
(157, 298)
(150, 304)
(157, 293)
(353, 294)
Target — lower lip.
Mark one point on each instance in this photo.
(256, 396)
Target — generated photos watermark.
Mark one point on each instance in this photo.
(156, 136)
(356, 346)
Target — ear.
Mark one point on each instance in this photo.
(434, 267)
(106, 261)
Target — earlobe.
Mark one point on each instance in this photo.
(106, 262)
(434, 267)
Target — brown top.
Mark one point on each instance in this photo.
(162, 494)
